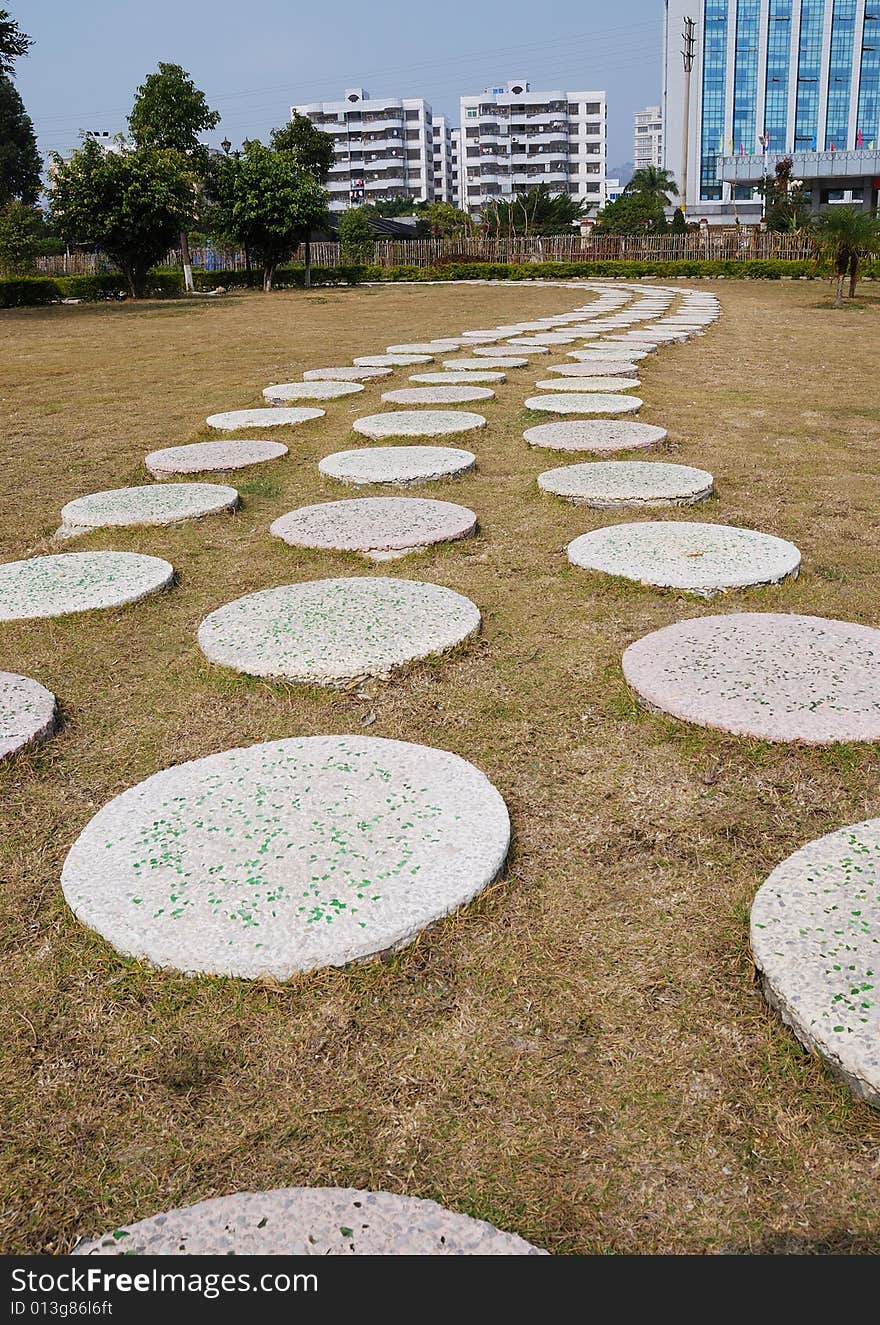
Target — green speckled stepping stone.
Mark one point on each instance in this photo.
(78, 582)
(27, 713)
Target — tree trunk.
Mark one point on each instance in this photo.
(247, 266)
(268, 277)
(132, 280)
(307, 258)
(853, 275)
(189, 285)
(838, 302)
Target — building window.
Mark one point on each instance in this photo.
(714, 81)
(843, 32)
(806, 118)
(868, 114)
(745, 76)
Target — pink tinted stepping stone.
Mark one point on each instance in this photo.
(776, 676)
(398, 465)
(379, 527)
(203, 457)
(27, 713)
(583, 402)
(815, 932)
(615, 483)
(310, 1221)
(277, 417)
(418, 423)
(318, 390)
(588, 383)
(346, 374)
(597, 435)
(437, 395)
(700, 558)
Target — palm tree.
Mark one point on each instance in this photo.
(653, 182)
(846, 235)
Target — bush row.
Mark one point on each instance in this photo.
(164, 283)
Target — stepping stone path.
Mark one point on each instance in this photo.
(234, 419)
(589, 383)
(418, 423)
(815, 932)
(606, 368)
(595, 435)
(583, 402)
(700, 558)
(27, 713)
(78, 582)
(310, 1221)
(775, 676)
(397, 464)
(347, 374)
(382, 528)
(320, 390)
(287, 856)
(202, 457)
(480, 365)
(461, 378)
(437, 395)
(157, 503)
(614, 483)
(391, 360)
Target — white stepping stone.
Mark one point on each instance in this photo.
(287, 856)
(397, 464)
(550, 338)
(503, 352)
(319, 390)
(613, 483)
(480, 365)
(607, 353)
(347, 374)
(155, 503)
(437, 395)
(273, 417)
(425, 347)
(329, 632)
(78, 582)
(27, 713)
(583, 402)
(589, 383)
(379, 527)
(703, 559)
(202, 457)
(418, 423)
(309, 1221)
(595, 435)
(815, 934)
(390, 360)
(603, 368)
(777, 676)
(452, 377)
(485, 337)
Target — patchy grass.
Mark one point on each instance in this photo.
(583, 1054)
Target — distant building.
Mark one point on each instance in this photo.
(514, 138)
(383, 147)
(613, 189)
(457, 168)
(444, 175)
(648, 138)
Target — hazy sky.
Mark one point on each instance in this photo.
(254, 59)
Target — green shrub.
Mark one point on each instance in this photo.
(28, 292)
(624, 269)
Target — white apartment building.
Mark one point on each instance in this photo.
(648, 138)
(444, 178)
(514, 138)
(457, 168)
(384, 147)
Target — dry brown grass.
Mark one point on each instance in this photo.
(582, 1055)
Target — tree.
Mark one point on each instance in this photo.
(130, 203)
(632, 214)
(20, 162)
(13, 42)
(21, 229)
(536, 212)
(784, 206)
(168, 114)
(446, 221)
(653, 183)
(845, 236)
(266, 202)
(313, 151)
(678, 224)
(356, 234)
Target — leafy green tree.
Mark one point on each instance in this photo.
(845, 236)
(678, 224)
(312, 151)
(21, 231)
(130, 203)
(13, 42)
(632, 214)
(356, 234)
(169, 114)
(536, 212)
(654, 183)
(446, 221)
(20, 162)
(785, 208)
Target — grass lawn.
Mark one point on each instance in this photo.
(582, 1055)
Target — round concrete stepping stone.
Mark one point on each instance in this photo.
(425, 347)
(347, 374)
(603, 368)
(503, 351)
(452, 377)
(625, 343)
(595, 435)
(485, 337)
(287, 856)
(319, 390)
(815, 933)
(329, 632)
(27, 712)
(588, 383)
(480, 365)
(583, 402)
(379, 527)
(777, 676)
(437, 395)
(77, 582)
(390, 360)
(550, 338)
(155, 503)
(202, 457)
(612, 483)
(607, 354)
(310, 1221)
(397, 464)
(418, 423)
(699, 558)
(274, 417)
